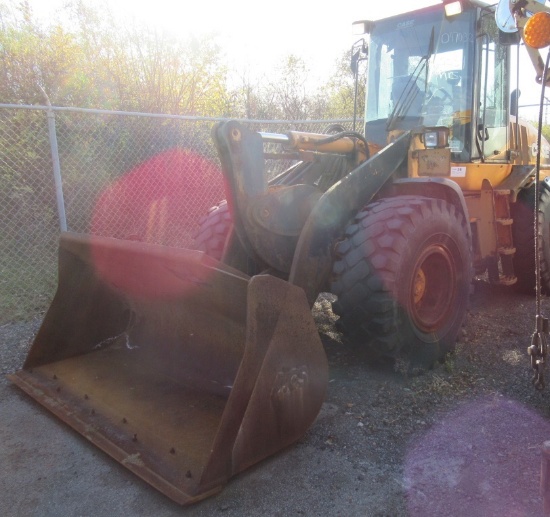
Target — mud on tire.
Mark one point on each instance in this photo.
(402, 276)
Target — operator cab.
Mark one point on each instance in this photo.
(422, 71)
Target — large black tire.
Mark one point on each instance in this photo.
(402, 275)
(523, 232)
(544, 244)
(213, 230)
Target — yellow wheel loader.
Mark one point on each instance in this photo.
(188, 366)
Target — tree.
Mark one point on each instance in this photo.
(341, 90)
(287, 94)
(99, 63)
(35, 60)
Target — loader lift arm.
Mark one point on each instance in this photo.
(308, 257)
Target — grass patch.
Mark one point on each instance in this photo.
(27, 285)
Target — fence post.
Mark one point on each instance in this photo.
(56, 168)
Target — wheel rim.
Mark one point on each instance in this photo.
(433, 288)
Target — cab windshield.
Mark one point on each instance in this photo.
(420, 69)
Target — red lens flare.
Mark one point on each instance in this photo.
(157, 203)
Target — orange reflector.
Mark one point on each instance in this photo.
(536, 33)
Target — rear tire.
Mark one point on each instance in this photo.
(214, 229)
(402, 277)
(522, 212)
(523, 232)
(544, 222)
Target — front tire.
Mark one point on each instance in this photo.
(402, 277)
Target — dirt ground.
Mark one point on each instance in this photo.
(462, 439)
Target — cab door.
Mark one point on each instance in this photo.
(491, 135)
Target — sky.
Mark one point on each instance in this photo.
(255, 36)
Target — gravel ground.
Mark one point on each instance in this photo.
(462, 439)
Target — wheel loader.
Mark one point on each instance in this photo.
(188, 366)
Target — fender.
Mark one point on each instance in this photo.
(521, 177)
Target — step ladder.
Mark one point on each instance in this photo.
(501, 269)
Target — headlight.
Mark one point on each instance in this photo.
(362, 27)
(452, 7)
(436, 138)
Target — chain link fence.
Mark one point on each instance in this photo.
(125, 175)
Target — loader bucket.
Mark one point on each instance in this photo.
(181, 368)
